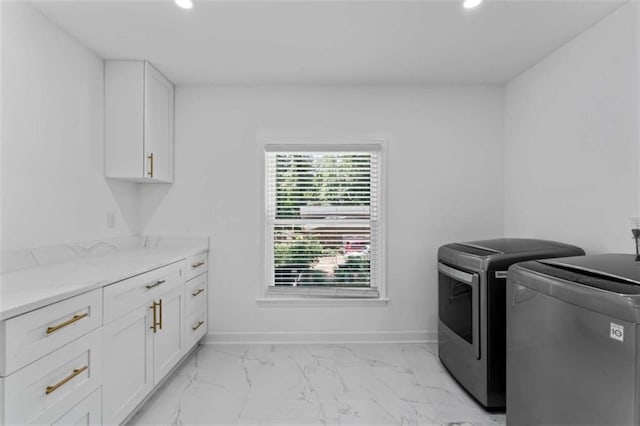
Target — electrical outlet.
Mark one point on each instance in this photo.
(111, 219)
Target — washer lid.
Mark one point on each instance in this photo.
(619, 273)
(617, 266)
(607, 284)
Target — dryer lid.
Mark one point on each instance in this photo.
(516, 245)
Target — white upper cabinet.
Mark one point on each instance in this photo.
(138, 122)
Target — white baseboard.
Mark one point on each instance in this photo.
(292, 337)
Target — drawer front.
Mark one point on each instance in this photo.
(195, 328)
(31, 336)
(47, 389)
(125, 296)
(87, 413)
(196, 294)
(197, 264)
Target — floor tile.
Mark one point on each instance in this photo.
(354, 384)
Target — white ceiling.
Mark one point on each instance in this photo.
(329, 42)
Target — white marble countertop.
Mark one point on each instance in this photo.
(28, 289)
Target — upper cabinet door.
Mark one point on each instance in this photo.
(138, 122)
(158, 125)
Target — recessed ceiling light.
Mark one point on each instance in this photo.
(185, 4)
(470, 4)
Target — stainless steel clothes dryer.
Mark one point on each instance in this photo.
(471, 300)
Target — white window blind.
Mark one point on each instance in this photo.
(323, 220)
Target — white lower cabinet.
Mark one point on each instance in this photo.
(128, 364)
(45, 390)
(142, 346)
(94, 358)
(87, 413)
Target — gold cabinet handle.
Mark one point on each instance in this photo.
(154, 326)
(197, 326)
(150, 158)
(70, 321)
(55, 387)
(160, 323)
(157, 283)
(197, 264)
(197, 292)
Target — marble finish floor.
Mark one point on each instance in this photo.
(314, 384)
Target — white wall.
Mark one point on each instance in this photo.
(445, 183)
(53, 189)
(571, 140)
(556, 157)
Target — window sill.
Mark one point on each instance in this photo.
(317, 301)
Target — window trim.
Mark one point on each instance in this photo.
(282, 297)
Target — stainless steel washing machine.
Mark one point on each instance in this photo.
(573, 341)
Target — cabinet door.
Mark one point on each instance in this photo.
(167, 344)
(123, 119)
(128, 364)
(158, 136)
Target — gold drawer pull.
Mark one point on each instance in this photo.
(55, 387)
(75, 318)
(157, 283)
(197, 264)
(197, 292)
(197, 326)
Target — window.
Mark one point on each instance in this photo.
(323, 220)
